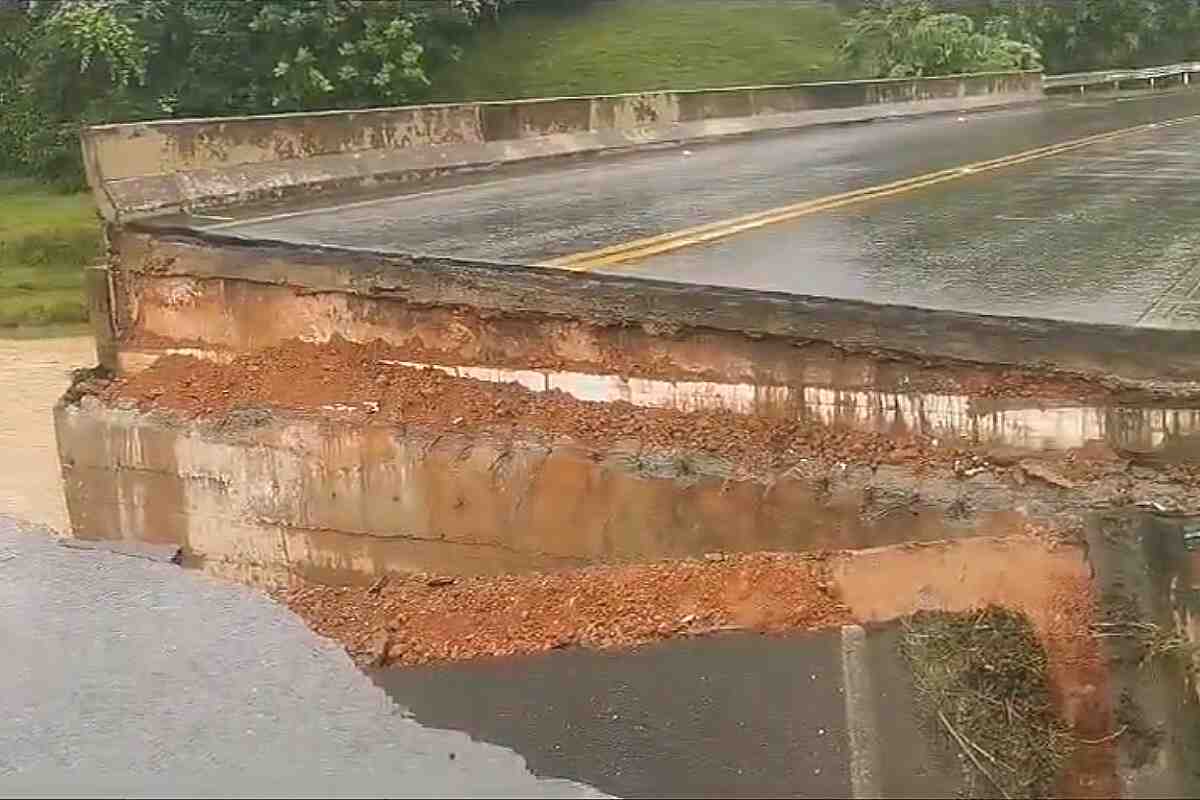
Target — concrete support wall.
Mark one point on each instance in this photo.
(264, 495)
(151, 168)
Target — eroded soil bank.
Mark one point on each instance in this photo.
(422, 619)
(419, 619)
(1002, 527)
(365, 382)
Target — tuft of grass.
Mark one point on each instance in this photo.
(1148, 642)
(46, 240)
(982, 686)
(610, 46)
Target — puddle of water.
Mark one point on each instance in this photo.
(34, 373)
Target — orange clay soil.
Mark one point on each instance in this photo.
(415, 619)
(304, 377)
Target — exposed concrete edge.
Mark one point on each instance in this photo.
(866, 82)
(163, 167)
(1034, 423)
(1160, 361)
(245, 486)
(865, 764)
(160, 553)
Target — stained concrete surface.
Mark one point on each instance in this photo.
(128, 677)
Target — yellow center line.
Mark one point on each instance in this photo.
(664, 243)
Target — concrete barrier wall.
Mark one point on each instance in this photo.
(150, 168)
(260, 497)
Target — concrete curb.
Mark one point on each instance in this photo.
(861, 725)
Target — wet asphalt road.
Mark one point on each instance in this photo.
(733, 715)
(741, 715)
(1101, 234)
(127, 677)
(1105, 234)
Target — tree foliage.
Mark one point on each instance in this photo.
(64, 63)
(909, 38)
(73, 62)
(1097, 34)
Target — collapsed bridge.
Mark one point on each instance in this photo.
(547, 334)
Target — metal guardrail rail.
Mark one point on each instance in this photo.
(1115, 77)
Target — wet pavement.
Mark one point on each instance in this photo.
(1099, 234)
(734, 715)
(1104, 234)
(731, 716)
(128, 677)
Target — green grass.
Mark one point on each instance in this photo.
(630, 45)
(46, 239)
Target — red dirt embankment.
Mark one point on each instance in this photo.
(299, 376)
(419, 619)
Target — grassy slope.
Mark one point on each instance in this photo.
(45, 241)
(629, 45)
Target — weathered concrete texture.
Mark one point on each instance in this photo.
(1147, 580)
(1030, 423)
(176, 297)
(123, 677)
(156, 167)
(232, 313)
(1052, 586)
(265, 495)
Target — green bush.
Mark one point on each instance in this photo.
(79, 62)
(1100, 34)
(908, 38)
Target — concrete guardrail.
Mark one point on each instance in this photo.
(163, 167)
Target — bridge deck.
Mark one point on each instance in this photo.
(1097, 231)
